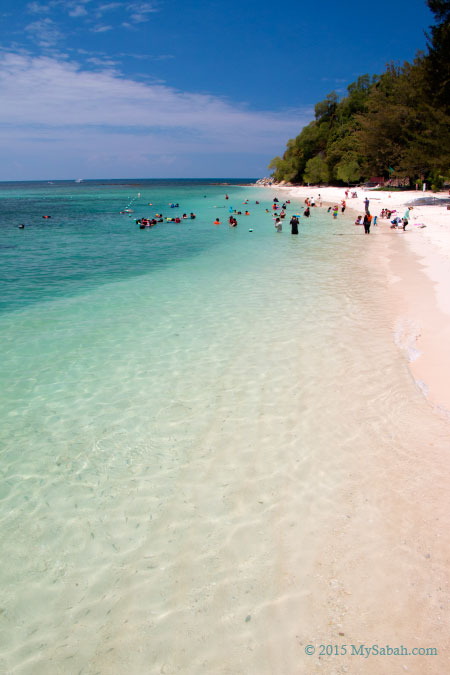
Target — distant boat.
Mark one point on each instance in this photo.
(79, 180)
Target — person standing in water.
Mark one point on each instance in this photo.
(294, 225)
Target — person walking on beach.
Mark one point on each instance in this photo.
(367, 222)
(366, 204)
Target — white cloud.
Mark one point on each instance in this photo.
(141, 7)
(38, 8)
(138, 18)
(101, 62)
(107, 7)
(72, 112)
(139, 11)
(101, 29)
(77, 11)
(45, 31)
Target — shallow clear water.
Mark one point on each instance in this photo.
(151, 382)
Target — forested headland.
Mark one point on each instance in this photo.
(395, 125)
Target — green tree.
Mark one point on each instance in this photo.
(348, 170)
(438, 60)
(398, 119)
(325, 110)
(316, 171)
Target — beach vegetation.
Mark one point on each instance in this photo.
(348, 170)
(316, 171)
(395, 125)
(437, 181)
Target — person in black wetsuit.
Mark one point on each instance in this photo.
(294, 225)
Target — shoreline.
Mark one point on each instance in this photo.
(380, 573)
(418, 272)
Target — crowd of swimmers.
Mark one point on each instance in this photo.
(159, 218)
(279, 212)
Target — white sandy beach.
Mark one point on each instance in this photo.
(422, 309)
(375, 575)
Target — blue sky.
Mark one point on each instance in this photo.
(116, 89)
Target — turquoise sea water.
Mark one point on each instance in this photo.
(87, 242)
(143, 374)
